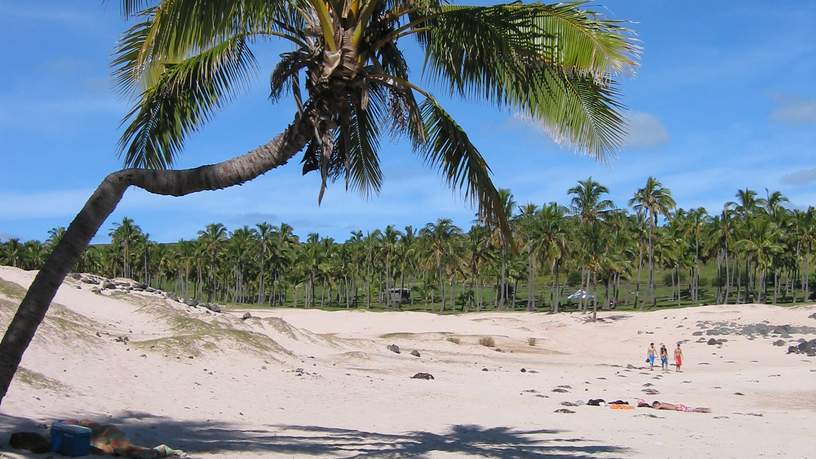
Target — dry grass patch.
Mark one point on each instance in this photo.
(453, 340)
(487, 341)
(38, 380)
(12, 290)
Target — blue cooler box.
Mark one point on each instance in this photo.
(70, 440)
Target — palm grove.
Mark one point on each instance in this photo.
(755, 250)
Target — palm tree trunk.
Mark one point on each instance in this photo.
(727, 275)
(653, 223)
(105, 199)
(261, 293)
(503, 289)
(530, 280)
(640, 268)
(554, 293)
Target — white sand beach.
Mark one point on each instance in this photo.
(309, 383)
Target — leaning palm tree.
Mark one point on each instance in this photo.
(184, 59)
(654, 200)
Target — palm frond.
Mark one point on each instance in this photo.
(552, 63)
(449, 149)
(177, 29)
(127, 71)
(183, 98)
(576, 110)
(286, 75)
(363, 173)
(131, 8)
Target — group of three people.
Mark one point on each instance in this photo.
(651, 355)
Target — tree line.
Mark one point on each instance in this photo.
(756, 249)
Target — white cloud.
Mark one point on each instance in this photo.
(795, 111)
(801, 177)
(644, 131)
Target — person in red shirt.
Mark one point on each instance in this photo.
(678, 357)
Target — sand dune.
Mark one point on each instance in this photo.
(307, 383)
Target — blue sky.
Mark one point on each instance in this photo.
(723, 99)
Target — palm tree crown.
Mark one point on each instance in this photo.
(185, 58)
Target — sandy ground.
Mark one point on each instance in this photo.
(305, 383)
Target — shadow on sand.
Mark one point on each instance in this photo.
(197, 437)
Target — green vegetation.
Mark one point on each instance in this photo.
(755, 250)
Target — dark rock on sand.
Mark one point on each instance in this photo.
(415, 353)
(812, 316)
(714, 342)
(560, 390)
(779, 342)
(484, 369)
(246, 316)
(564, 411)
(524, 370)
(191, 302)
(213, 307)
(426, 376)
(805, 347)
(30, 441)
(394, 348)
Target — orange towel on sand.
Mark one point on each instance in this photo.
(622, 407)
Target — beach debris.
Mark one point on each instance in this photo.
(649, 415)
(415, 353)
(560, 390)
(484, 369)
(569, 404)
(564, 411)
(650, 391)
(425, 376)
(738, 393)
(524, 370)
(393, 348)
(30, 441)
